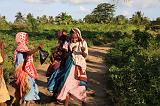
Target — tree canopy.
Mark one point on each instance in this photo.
(103, 13)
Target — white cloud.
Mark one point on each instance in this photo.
(142, 4)
(66, 1)
(84, 1)
(126, 13)
(84, 10)
(41, 1)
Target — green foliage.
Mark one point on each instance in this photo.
(158, 20)
(32, 22)
(115, 35)
(63, 18)
(120, 20)
(142, 38)
(134, 69)
(3, 23)
(19, 17)
(103, 13)
(139, 19)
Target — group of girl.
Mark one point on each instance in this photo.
(66, 73)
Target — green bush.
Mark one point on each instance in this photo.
(134, 69)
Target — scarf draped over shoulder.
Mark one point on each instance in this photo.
(21, 41)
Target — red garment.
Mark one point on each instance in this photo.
(21, 41)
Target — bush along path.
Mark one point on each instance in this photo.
(96, 71)
(134, 70)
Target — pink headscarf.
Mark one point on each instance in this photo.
(21, 41)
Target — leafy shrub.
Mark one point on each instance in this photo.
(116, 35)
(142, 38)
(134, 69)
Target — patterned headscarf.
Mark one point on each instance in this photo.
(77, 31)
(21, 41)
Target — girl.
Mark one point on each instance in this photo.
(75, 79)
(55, 72)
(25, 71)
(4, 95)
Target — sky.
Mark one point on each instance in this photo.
(77, 8)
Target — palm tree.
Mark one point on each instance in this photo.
(19, 17)
(51, 20)
(32, 22)
(44, 19)
(138, 18)
(63, 18)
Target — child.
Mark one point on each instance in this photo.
(57, 60)
(4, 95)
(25, 71)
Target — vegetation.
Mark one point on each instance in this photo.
(134, 70)
(133, 63)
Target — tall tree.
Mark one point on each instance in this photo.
(63, 18)
(120, 19)
(32, 22)
(90, 19)
(19, 23)
(103, 13)
(51, 20)
(44, 19)
(19, 17)
(138, 18)
(158, 20)
(3, 23)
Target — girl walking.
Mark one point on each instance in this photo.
(75, 79)
(25, 71)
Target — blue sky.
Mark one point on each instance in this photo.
(77, 8)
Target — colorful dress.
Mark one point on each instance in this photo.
(25, 71)
(55, 71)
(75, 78)
(4, 95)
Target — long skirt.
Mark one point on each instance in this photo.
(30, 92)
(33, 91)
(54, 81)
(70, 85)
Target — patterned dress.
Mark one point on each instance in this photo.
(25, 71)
(72, 85)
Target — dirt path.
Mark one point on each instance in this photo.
(96, 71)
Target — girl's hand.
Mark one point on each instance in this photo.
(41, 46)
(74, 48)
(80, 38)
(83, 49)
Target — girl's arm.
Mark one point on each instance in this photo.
(83, 52)
(84, 49)
(35, 50)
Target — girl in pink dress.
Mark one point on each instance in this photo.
(75, 79)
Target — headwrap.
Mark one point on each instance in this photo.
(77, 31)
(61, 35)
(21, 41)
